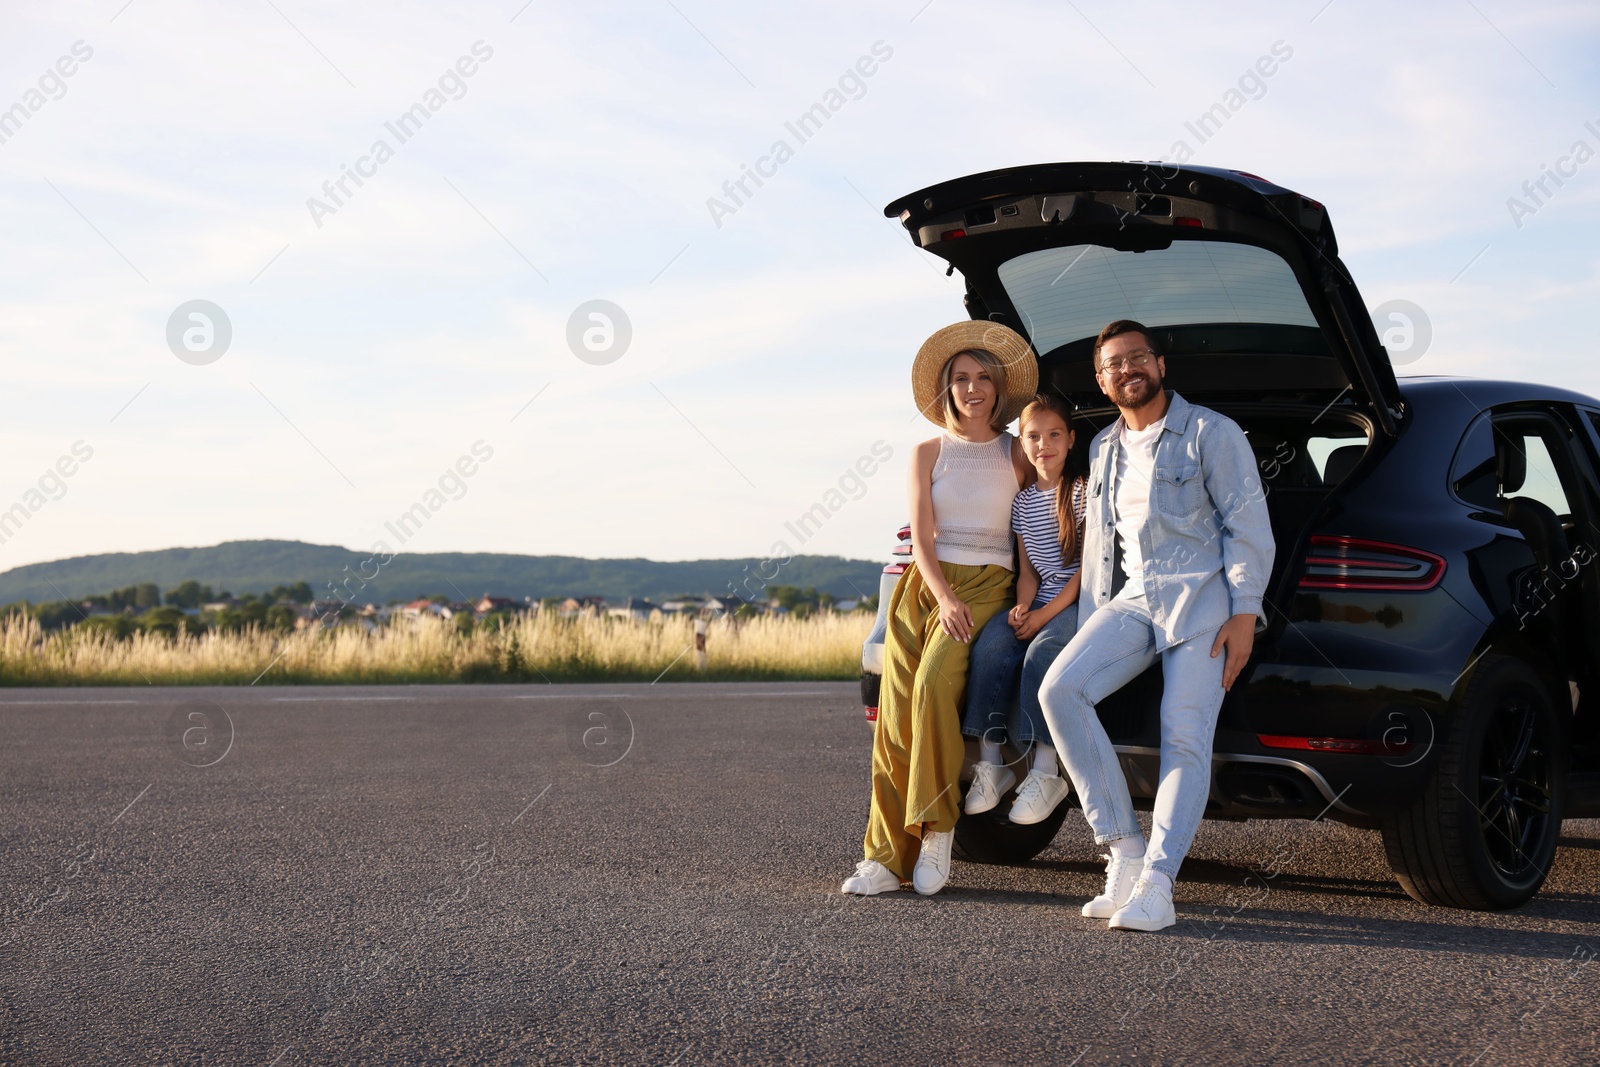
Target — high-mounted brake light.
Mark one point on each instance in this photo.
(951, 235)
(1185, 220)
(1355, 563)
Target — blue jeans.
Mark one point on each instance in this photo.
(1114, 647)
(996, 708)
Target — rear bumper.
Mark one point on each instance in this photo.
(1249, 780)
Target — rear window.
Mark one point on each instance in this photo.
(1069, 293)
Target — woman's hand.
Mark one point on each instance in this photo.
(955, 618)
(1017, 616)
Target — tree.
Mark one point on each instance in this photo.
(298, 593)
(118, 626)
(55, 614)
(167, 621)
(249, 612)
(190, 594)
(799, 602)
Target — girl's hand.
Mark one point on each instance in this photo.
(955, 618)
(1016, 616)
(1031, 624)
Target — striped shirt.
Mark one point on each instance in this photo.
(1033, 518)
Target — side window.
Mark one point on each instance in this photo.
(1343, 449)
(1472, 474)
(1540, 477)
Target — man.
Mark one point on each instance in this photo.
(1174, 493)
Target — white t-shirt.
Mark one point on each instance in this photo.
(1136, 467)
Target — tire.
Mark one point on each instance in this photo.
(993, 838)
(1484, 830)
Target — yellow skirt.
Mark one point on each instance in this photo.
(917, 748)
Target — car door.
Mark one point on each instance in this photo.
(1546, 488)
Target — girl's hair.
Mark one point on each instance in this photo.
(1066, 521)
(997, 374)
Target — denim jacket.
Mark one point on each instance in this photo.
(1207, 542)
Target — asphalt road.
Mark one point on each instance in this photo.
(648, 875)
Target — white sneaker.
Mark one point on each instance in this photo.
(1121, 874)
(870, 879)
(1150, 908)
(1038, 797)
(933, 863)
(989, 783)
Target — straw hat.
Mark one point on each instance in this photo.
(1022, 367)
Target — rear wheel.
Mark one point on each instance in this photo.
(993, 838)
(1484, 831)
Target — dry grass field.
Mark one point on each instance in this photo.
(534, 648)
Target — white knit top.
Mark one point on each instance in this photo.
(973, 487)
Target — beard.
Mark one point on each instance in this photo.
(1136, 392)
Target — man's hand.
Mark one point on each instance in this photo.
(1237, 635)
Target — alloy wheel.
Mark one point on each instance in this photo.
(1515, 772)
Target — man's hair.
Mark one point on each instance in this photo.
(1117, 329)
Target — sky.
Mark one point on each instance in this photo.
(419, 337)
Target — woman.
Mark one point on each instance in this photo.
(971, 379)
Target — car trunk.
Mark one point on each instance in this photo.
(1238, 279)
(1240, 286)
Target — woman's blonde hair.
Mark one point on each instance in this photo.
(997, 374)
(1066, 521)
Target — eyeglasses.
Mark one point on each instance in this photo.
(1132, 361)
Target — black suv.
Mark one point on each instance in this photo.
(1433, 618)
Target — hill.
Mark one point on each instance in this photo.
(257, 566)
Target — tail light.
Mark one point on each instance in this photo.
(1355, 563)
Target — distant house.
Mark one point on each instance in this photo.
(424, 608)
(634, 608)
(727, 605)
(846, 605)
(498, 603)
(573, 605)
(683, 606)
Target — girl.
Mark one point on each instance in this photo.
(1047, 518)
(971, 379)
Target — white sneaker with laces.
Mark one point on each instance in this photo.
(933, 863)
(870, 879)
(1038, 797)
(989, 783)
(1121, 874)
(1150, 908)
